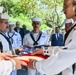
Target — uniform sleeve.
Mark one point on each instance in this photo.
(51, 50)
(72, 42)
(6, 67)
(47, 42)
(25, 40)
(56, 63)
(19, 40)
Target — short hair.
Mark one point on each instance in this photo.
(57, 28)
(17, 22)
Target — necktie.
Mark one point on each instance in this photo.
(57, 36)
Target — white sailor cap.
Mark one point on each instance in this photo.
(68, 21)
(4, 16)
(1, 9)
(36, 19)
(11, 23)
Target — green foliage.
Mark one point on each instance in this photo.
(27, 21)
(23, 10)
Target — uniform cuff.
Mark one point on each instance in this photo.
(34, 64)
(14, 64)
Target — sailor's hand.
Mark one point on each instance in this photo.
(1, 58)
(19, 63)
(5, 56)
(30, 64)
(37, 51)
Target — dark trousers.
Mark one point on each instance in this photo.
(60, 73)
(22, 71)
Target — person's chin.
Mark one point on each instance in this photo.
(5, 30)
(68, 17)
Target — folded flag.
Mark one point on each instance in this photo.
(29, 50)
(25, 54)
(26, 57)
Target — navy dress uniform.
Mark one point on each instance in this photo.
(14, 37)
(6, 66)
(5, 46)
(70, 44)
(67, 40)
(30, 41)
(33, 39)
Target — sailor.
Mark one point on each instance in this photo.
(69, 11)
(68, 23)
(14, 37)
(35, 37)
(6, 66)
(5, 44)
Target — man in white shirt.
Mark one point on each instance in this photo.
(13, 36)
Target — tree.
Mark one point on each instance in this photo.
(49, 10)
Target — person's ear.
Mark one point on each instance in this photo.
(75, 10)
(74, 6)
